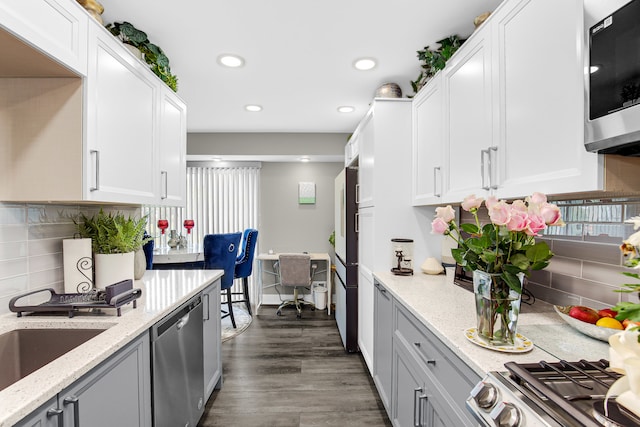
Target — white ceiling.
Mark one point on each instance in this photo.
(299, 55)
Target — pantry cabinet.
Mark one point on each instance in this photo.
(57, 28)
(384, 176)
(125, 379)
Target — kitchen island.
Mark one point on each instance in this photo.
(162, 292)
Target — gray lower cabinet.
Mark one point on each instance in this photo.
(211, 339)
(430, 382)
(383, 331)
(116, 393)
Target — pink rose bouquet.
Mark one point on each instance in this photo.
(506, 246)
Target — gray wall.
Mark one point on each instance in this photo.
(248, 144)
(285, 225)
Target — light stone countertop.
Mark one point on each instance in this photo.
(447, 310)
(162, 291)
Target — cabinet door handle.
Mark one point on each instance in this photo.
(97, 170)
(416, 422)
(73, 400)
(165, 184)
(357, 193)
(492, 167)
(54, 412)
(357, 222)
(208, 313)
(437, 193)
(482, 174)
(422, 400)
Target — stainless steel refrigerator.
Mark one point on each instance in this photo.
(346, 244)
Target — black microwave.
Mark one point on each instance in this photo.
(612, 77)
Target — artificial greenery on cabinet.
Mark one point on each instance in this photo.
(435, 60)
(152, 54)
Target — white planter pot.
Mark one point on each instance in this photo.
(113, 268)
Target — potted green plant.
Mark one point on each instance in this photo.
(114, 241)
(152, 54)
(435, 60)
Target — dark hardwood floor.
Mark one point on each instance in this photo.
(284, 371)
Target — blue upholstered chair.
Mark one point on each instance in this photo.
(244, 263)
(220, 253)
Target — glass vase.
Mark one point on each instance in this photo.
(497, 309)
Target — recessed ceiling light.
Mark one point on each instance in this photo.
(346, 109)
(230, 60)
(364, 64)
(253, 108)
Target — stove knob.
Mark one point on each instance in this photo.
(485, 395)
(506, 415)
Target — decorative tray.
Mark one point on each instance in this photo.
(588, 329)
(113, 296)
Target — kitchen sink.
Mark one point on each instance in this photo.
(22, 351)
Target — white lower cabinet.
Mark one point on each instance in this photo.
(211, 339)
(419, 379)
(116, 393)
(366, 246)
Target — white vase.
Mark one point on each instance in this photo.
(113, 268)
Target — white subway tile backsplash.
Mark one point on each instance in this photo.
(14, 267)
(13, 233)
(31, 246)
(48, 214)
(12, 286)
(13, 250)
(45, 246)
(13, 214)
(49, 231)
(45, 262)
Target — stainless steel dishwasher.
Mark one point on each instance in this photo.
(178, 375)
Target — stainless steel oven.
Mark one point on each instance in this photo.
(558, 394)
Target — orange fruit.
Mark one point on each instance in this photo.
(609, 322)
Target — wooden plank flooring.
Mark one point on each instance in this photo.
(288, 372)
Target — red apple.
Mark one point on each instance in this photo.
(607, 312)
(583, 313)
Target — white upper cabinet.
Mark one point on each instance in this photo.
(121, 119)
(366, 158)
(383, 137)
(172, 171)
(116, 131)
(468, 118)
(57, 28)
(513, 113)
(540, 101)
(427, 144)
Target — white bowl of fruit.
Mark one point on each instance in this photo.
(598, 324)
